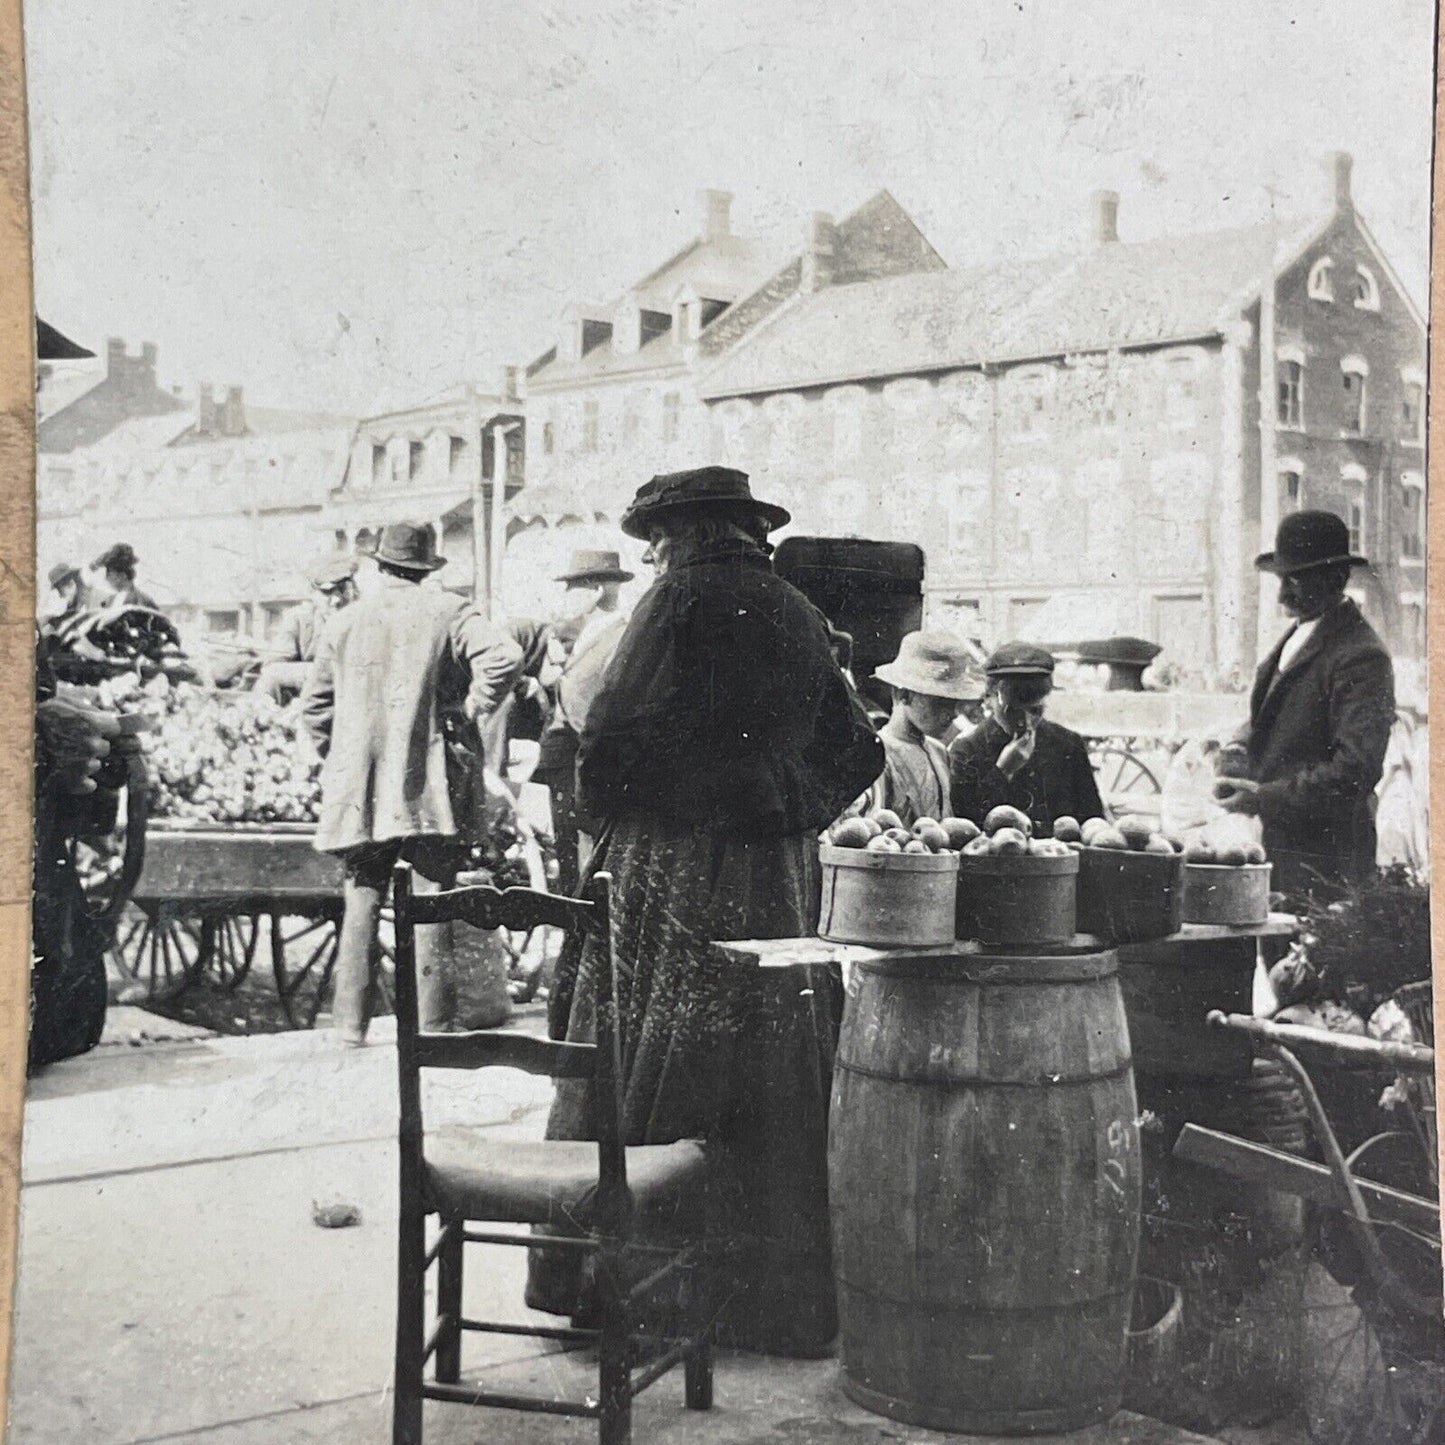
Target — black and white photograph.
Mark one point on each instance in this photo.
(731, 725)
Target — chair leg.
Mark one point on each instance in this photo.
(449, 1303)
(614, 1355)
(697, 1375)
(410, 1325)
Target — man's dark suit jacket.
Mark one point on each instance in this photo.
(1058, 781)
(1317, 740)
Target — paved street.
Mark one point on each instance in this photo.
(173, 1286)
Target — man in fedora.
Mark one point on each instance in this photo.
(585, 632)
(117, 566)
(1319, 718)
(333, 586)
(68, 587)
(930, 679)
(1015, 755)
(400, 685)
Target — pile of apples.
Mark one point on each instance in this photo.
(1008, 832)
(1132, 834)
(882, 831)
(229, 758)
(1228, 857)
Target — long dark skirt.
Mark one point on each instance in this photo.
(721, 1052)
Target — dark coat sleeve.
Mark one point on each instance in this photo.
(977, 785)
(1084, 787)
(1360, 701)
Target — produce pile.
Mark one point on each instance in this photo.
(226, 757)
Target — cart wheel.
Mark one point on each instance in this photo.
(1126, 782)
(303, 955)
(159, 950)
(230, 947)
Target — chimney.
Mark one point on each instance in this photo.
(716, 214)
(1106, 217)
(148, 359)
(206, 419)
(114, 356)
(1342, 163)
(233, 416)
(818, 252)
(508, 383)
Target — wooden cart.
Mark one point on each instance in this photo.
(214, 898)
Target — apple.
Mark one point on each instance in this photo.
(1008, 841)
(899, 835)
(933, 837)
(1200, 853)
(919, 824)
(1091, 826)
(1136, 832)
(960, 831)
(1110, 838)
(1160, 845)
(1006, 817)
(1255, 853)
(851, 833)
(1232, 857)
(917, 845)
(886, 818)
(1067, 829)
(882, 844)
(978, 847)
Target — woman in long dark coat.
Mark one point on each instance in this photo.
(725, 737)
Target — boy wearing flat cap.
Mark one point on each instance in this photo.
(929, 678)
(1016, 756)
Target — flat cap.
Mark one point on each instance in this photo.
(1019, 659)
(332, 572)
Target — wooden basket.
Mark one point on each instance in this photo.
(895, 900)
(1016, 898)
(1214, 893)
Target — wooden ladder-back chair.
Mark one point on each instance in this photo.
(578, 1188)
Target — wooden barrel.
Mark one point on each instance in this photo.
(984, 1174)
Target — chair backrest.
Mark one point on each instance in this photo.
(516, 909)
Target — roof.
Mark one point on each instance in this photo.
(266, 421)
(1116, 295)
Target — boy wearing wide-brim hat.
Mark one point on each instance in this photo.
(1319, 718)
(930, 679)
(1016, 756)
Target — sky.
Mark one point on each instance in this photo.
(355, 204)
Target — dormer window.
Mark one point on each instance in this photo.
(654, 324)
(1367, 290)
(594, 334)
(1322, 280)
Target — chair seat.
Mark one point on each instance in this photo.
(553, 1182)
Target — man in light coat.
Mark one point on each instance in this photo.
(586, 631)
(400, 685)
(1319, 720)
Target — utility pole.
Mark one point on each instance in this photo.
(500, 432)
(1265, 620)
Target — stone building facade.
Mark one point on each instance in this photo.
(1077, 443)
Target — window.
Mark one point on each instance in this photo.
(549, 438)
(1355, 373)
(671, 409)
(1032, 402)
(456, 452)
(1412, 408)
(589, 426)
(1322, 280)
(1367, 290)
(413, 460)
(1291, 381)
(378, 463)
(1181, 391)
(1292, 484)
(1357, 527)
(1412, 517)
(226, 623)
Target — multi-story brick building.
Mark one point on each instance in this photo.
(225, 504)
(1078, 443)
(436, 463)
(616, 399)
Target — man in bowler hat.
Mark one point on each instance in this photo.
(1319, 719)
(585, 632)
(1015, 755)
(400, 685)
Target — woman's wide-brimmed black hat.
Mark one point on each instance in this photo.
(403, 544)
(1306, 540)
(704, 489)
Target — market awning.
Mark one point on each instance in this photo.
(551, 501)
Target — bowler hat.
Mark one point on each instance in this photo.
(1306, 540)
(1020, 659)
(934, 664)
(405, 545)
(119, 558)
(332, 572)
(63, 572)
(703, 489)
(595, 566)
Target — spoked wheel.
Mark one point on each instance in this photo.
(159, 949)
(1126, 782)
(303, 958)
(230, 948)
